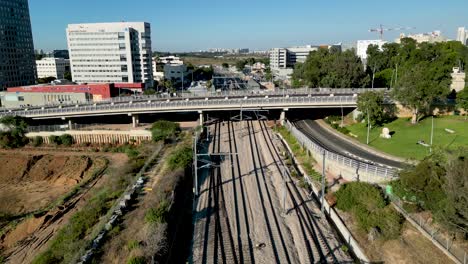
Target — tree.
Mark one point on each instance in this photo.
(209, 84)
(455, 213)
(462, 99)
(46, 79)
(423, 184)
(149, 91)
(68, 76)
(13, 132)
(225, 65)
(240, 65)
(163, 130)
(418, 88)
(334, 69)
(371, 104)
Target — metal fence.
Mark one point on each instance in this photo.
(191, 105)
(64, 127)
(369, 169)
(443, 242)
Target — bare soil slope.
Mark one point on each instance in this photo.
(31, 182)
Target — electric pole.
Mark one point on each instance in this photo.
(323, 182)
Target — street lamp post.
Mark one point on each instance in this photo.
(432, 133)
(368, 126)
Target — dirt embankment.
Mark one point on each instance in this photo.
(31, 182)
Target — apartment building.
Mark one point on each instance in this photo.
(17, 62)
(111, 52)
(52, 67)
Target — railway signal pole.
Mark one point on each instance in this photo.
(323, 182)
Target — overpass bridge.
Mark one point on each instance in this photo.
(201, 103)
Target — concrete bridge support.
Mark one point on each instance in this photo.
(283, 116)
(135, 120)
(201, 118)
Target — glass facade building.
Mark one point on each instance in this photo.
(17, 61)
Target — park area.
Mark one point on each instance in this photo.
(450, 132)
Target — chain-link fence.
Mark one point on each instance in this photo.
(443, 242)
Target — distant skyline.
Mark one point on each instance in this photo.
(186, 25)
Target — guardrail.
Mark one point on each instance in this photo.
(369, 169)
(189, 105)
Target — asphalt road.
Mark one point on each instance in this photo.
(335, 144)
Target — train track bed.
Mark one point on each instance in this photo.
(240, 215)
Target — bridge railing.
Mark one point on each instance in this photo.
(219, 94)
(368, 169)
(190, 105)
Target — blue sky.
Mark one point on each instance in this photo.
(187, 25)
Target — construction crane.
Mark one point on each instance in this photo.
(381, 30)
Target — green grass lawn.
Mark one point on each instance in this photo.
(404, 140)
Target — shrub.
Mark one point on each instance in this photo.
(66, 139)
(180, 158)
(132, 153)
(37, 141)
(55, 140)
(162, 130)
(159, 214)
(132, 244)
(370, 209)
(136, 260)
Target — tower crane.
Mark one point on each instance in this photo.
(381, 30)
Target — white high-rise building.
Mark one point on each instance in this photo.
(282, 58)
(111, 52)
(362, 45)
(52, 67)
(462, 35)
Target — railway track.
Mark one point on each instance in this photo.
(321, 252)
(242, 220)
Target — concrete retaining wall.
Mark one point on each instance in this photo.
(98, 136)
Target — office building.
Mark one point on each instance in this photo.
(17, 61)
(430, 37)
(283, 58)
(362, 45)
(462, 35)
(175, 72)
(110, 52)
(99, 91)
(286, 58)
(52, 67)
(63, 54)
(25, 99)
